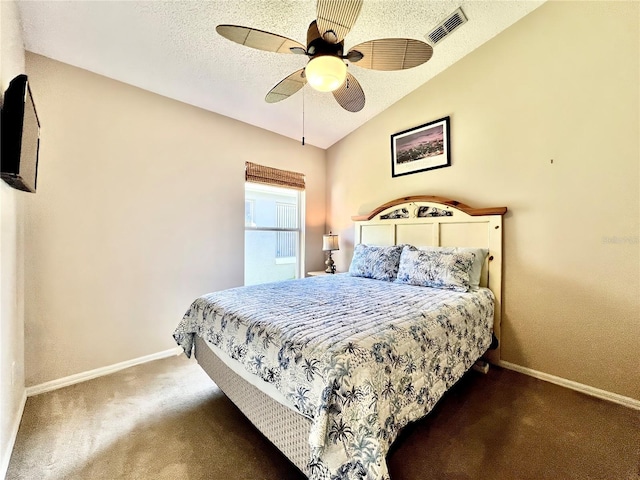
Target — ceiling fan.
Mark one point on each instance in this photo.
(326, 69)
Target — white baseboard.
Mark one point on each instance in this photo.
(4, 466)
(579, 387)
(98, 372)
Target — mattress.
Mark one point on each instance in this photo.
(360, 357)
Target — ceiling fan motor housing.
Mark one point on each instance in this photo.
(317, 46)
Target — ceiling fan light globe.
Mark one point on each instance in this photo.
(326, 73)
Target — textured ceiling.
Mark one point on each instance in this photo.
(172, 48)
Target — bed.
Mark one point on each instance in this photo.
(331, 368)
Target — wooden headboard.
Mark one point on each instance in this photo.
(436, 221)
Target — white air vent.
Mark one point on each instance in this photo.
(445, 28)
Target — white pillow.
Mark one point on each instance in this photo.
(476, 267)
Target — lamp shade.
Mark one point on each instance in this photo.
(330, 242)
(326, 73)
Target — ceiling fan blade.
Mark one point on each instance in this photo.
(287, 87)
(259, 39)
(354, 56)
(350, 95)
(336, 17)
(393, 53)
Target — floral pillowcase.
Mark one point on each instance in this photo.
(380, 263)
(447, 270)
(475, 275)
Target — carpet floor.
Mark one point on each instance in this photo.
(167, 420)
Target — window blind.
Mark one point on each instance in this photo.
(273, 176)
(286, 242)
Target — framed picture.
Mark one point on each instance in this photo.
(421, 148)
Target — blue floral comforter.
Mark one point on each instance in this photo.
(362, 358)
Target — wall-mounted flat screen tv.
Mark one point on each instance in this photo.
(20, 136)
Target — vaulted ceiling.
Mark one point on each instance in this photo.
(172, 48)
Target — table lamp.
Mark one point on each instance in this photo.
(329, 244)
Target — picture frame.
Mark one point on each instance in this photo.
(421, 148)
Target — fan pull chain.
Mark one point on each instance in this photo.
(303, 117)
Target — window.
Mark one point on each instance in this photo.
(274, 224)
(274, 233)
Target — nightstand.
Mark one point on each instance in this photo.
(319, 272)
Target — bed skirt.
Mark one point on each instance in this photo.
(286, 429)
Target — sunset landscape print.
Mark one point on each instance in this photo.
(423, 144)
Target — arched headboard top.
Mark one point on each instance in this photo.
(447, 202)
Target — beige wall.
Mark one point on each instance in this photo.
(11, 257)
(560, 84)
(140, 208)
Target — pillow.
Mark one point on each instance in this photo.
(478, 262)
(380, 263)
(435, 268)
